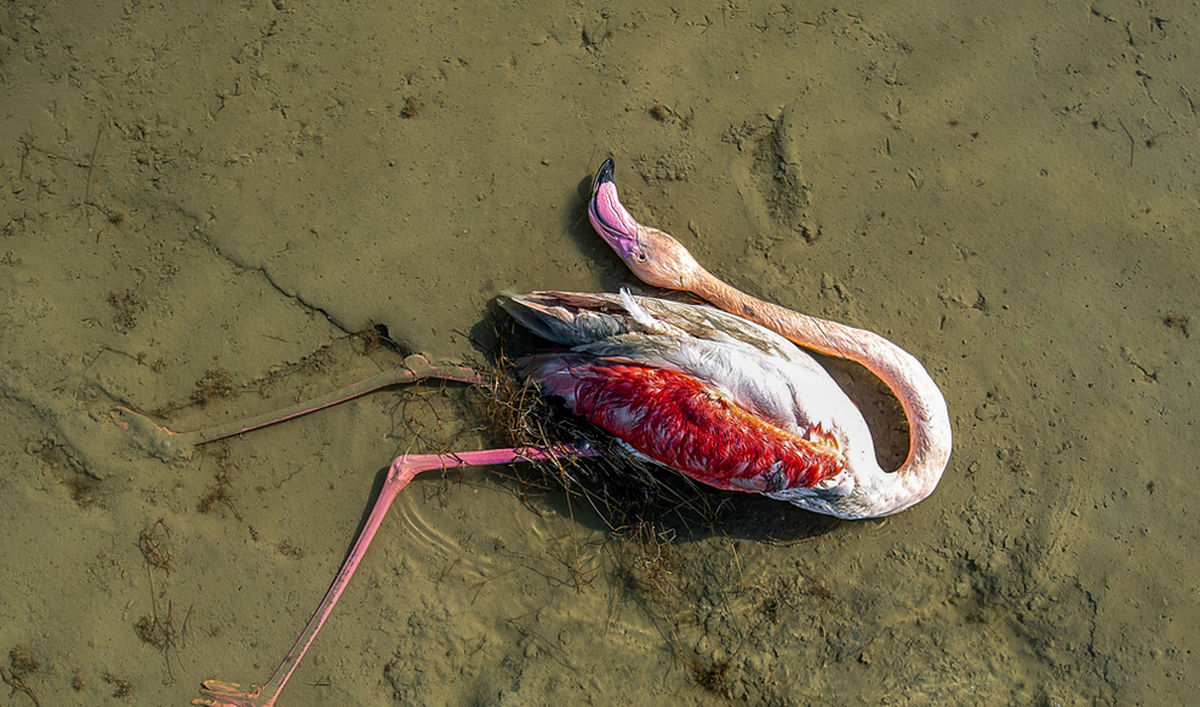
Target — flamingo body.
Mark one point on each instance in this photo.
(706, 393)
(679, 422)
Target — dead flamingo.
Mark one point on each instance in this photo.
(721, 396)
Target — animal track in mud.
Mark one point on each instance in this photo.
(775, 177)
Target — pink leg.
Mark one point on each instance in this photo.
(168, 444)
(403, 469)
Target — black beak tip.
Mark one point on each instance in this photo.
(603, 175)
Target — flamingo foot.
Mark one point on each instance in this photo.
(231, 694)
(420, 367)
(402, 471)
(155, 439)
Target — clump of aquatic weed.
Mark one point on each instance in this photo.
(215, 383)
(23, 665)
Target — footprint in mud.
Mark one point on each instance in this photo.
(770, 176)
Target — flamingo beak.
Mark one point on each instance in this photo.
(611, 220)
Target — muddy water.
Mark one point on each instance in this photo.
(207, 203)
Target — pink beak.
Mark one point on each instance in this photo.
(611, 220)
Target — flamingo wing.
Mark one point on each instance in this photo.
(710, 394)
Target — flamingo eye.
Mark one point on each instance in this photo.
(640, 257)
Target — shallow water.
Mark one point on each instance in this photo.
(1009, 193)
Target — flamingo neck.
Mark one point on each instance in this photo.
(924, 405)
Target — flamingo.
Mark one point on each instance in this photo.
(850, 483)
(721, 394)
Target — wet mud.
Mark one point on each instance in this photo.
(213, 210)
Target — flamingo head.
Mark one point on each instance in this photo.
(653, 255)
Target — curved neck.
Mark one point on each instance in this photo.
(924, 406)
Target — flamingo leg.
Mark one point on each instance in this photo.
(168, 444)
(218, 693)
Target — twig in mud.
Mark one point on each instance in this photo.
(1131, 140)
(22, 664)
(16, 682)
(554, 651)
(153, 629)
(91, 167)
